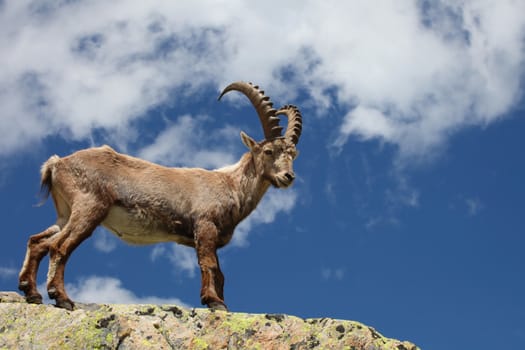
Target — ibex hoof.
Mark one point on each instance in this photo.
(215, 305)
(34, 299)
(23, 286)
(52, 293)
(65, 304)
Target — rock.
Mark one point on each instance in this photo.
(11, 297)
(91, 326)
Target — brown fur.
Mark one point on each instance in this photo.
(145, 203)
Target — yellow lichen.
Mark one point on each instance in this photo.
(199, 344)
(239, 323)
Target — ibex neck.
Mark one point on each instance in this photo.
(248, 183)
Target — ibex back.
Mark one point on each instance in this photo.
(143, 203)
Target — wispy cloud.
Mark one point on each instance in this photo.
(409, 73)
(273, 203)
(474, 206)
(100, 289)
(470, 204)
(336, 274)
(7, 272)
(403, 194)
(183, 258)
(104, 241)
(186, 143)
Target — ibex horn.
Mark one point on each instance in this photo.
(295, 122)
(263, 106)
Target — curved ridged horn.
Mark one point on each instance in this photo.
(295, 122)
(263, 106)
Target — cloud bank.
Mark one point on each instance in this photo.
(438, 68)
(408, 72)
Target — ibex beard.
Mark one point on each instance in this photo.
(145, 203)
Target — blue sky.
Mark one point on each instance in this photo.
(407, 213)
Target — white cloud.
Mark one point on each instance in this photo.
(409, 72)
(419, 84)
(367, 122)
(187, 143)
(274, 202)
(77, 66)
(183, 258)
(99, 289)
(104, 241)
(7, 272)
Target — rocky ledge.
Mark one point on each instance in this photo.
(94, 326)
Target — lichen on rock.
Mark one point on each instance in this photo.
(29, 326)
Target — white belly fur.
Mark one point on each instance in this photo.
(133, 230)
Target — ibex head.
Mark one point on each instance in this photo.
(275, 154)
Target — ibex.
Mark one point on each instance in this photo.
(145, 203)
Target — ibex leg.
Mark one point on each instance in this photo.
(37, 248)
(84, 219)
(212, 279)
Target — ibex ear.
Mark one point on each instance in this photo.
(248, 141)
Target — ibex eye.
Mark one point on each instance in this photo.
(268, 152)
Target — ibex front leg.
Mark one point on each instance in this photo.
(212, 279)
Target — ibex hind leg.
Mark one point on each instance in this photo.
(37, 249)
(79, 227)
